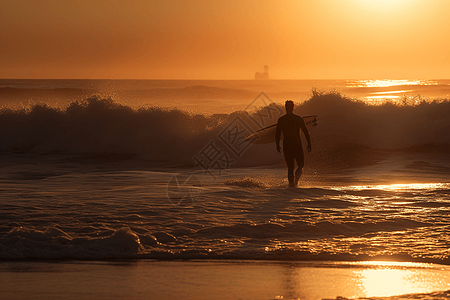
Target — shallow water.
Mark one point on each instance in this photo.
(246, 213)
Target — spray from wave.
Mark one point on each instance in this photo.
(247, 182)
(100, 125)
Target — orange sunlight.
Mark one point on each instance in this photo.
(297, 39)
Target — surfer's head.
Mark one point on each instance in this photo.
(289, 105)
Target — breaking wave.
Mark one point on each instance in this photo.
(99, 125)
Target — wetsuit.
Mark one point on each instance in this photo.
(290, 125)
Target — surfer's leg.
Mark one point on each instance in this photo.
(298, 174)
(300, 158)
(289, 157)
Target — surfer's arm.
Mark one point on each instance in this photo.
(306, 132)
(278, 137)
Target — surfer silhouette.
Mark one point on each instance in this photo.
(290, 124)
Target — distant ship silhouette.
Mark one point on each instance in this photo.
(263, 75)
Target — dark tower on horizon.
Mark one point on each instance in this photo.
(263, 75)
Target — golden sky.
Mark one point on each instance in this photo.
(297, 39)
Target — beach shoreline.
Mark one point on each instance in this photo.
(219, 279)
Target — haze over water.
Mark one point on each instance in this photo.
(214, 96)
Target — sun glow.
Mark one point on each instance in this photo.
(382, 4)
(142, 39)
(385, 8)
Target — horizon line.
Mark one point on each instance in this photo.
(256, 80)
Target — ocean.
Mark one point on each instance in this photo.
(155, 172)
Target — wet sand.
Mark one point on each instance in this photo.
(149, 279)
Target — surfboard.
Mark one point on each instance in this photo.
(267, 134)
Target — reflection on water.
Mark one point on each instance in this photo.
(377, 91)
(387, 282)
(376, 97)
(366, 279)
(394, 278)
(397, 187)
(389, 82)
(392, 92)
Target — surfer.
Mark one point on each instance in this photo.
(290, 125)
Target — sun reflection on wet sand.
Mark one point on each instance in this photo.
(220, 279)
(387, 282)
(396, 278)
